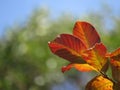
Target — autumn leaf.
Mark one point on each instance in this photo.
(85, 52)
(96, 57)
(79, 67)
(115, 64)
(79, 48)
(115, 55)
(86, 33)
(99, 83)
(68, 47)
(115, 70)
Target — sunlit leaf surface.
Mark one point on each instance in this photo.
(99, 83)
(96, 57)
(83, 44)
(79, 67)
(115, 64)
(87, 33)
(115, 55)
(68, 47)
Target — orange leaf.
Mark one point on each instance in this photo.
(115, 64)
(96, 57)
(115, 55)
(115, 69)
(100, 83)
(68, 47)
(115, 58)
(86, 33)
(79, 67)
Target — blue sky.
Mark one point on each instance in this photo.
(12, 11)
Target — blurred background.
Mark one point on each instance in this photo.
(26, 26)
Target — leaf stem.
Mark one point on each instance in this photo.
(106, 76)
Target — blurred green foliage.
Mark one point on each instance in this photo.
(26, 62)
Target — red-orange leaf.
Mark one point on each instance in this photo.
(115, 54)
(115, 58)
(87, 33)
(115, 69)
(96, 57)
(79, 67)
(115, 64)
(68, 47)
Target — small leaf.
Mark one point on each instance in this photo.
(115, 64)
(99, 83)
(68, 47)
(86, 33)
(115, 70)
(96, 57)
(115, 55)
(79, 67)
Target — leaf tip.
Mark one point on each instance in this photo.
(66, 68)
(63, 69)
(49, 42)
(58, 36)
